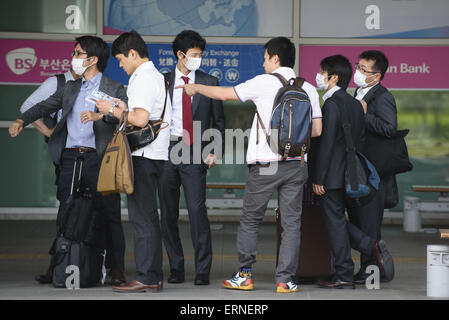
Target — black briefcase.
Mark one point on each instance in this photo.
(388, 155)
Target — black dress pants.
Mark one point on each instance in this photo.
(369, 220)
(115, 246)
(144, 217)
(342, 234)
(192, 177)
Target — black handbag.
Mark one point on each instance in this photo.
(396, 161)
(389, 155)
(391, 192)
(361, 178)
(140, 137)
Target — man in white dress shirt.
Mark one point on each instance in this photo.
(146, 98)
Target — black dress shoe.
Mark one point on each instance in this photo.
(336, 284)
(45, 278)
(360, 278)
(384, 260)
(117, 277)
(175, 279)
(201, 280)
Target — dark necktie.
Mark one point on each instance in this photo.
(187, 118)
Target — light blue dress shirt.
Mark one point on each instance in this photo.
(80, 134)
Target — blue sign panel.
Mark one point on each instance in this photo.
(231, 64)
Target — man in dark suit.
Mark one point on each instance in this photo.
(189, 159)
(380, 121)
(329, 167)
(82, 132)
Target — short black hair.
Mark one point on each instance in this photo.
(338, 65)
(95, 46)
(284, 49)
(127, 41)
(379, 58)
(186, 40)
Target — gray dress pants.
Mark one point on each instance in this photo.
(288, 180)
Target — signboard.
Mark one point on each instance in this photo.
(33, 61)
(409, 67)
(231, 64)
(245, 18)
(53, 16)
(375, 18)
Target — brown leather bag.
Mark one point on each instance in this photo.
(116, 170)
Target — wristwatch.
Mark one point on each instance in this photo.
(111, 111)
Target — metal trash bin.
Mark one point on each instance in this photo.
(412, 216)
(438, 271)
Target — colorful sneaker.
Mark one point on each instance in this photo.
(241, 281)
(288, 287)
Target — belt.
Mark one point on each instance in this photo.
(175, 138)
(81, 149)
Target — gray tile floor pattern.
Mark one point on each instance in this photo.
(24, 246)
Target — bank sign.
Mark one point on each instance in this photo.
(33, 61)
(410, 67)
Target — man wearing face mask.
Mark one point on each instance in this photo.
(82, 132)
(380, 121)
(328, 173)
(188, 47)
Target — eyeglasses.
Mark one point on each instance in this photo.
(77, 53)
(360, 68)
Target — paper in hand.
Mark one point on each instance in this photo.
(99, 95)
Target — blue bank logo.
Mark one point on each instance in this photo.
(232, 75)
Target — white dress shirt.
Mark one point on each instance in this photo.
(146, 90)
(262, 90)
(45, 90)
(176, 127)
(330, 92)
(362, 92)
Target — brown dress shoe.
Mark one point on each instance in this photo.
(136, 286)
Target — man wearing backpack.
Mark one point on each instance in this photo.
(329, 168)
(287, 178)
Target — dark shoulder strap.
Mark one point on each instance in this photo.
(165, 102)
(61, 81)
(281, 78)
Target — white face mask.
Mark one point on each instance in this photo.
(320, 82)
(192, 64)
(360, 79)
(77, 66)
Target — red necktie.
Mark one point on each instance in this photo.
(187, 118)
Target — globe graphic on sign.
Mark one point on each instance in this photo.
(169, 17)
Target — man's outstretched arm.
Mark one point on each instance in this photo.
(213, 92)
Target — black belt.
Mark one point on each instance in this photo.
(81, 149)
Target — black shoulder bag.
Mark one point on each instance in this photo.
(140, 137)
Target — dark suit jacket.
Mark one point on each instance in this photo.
(65, 98)
(208, 111)
(381, 117)
(329, 160)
